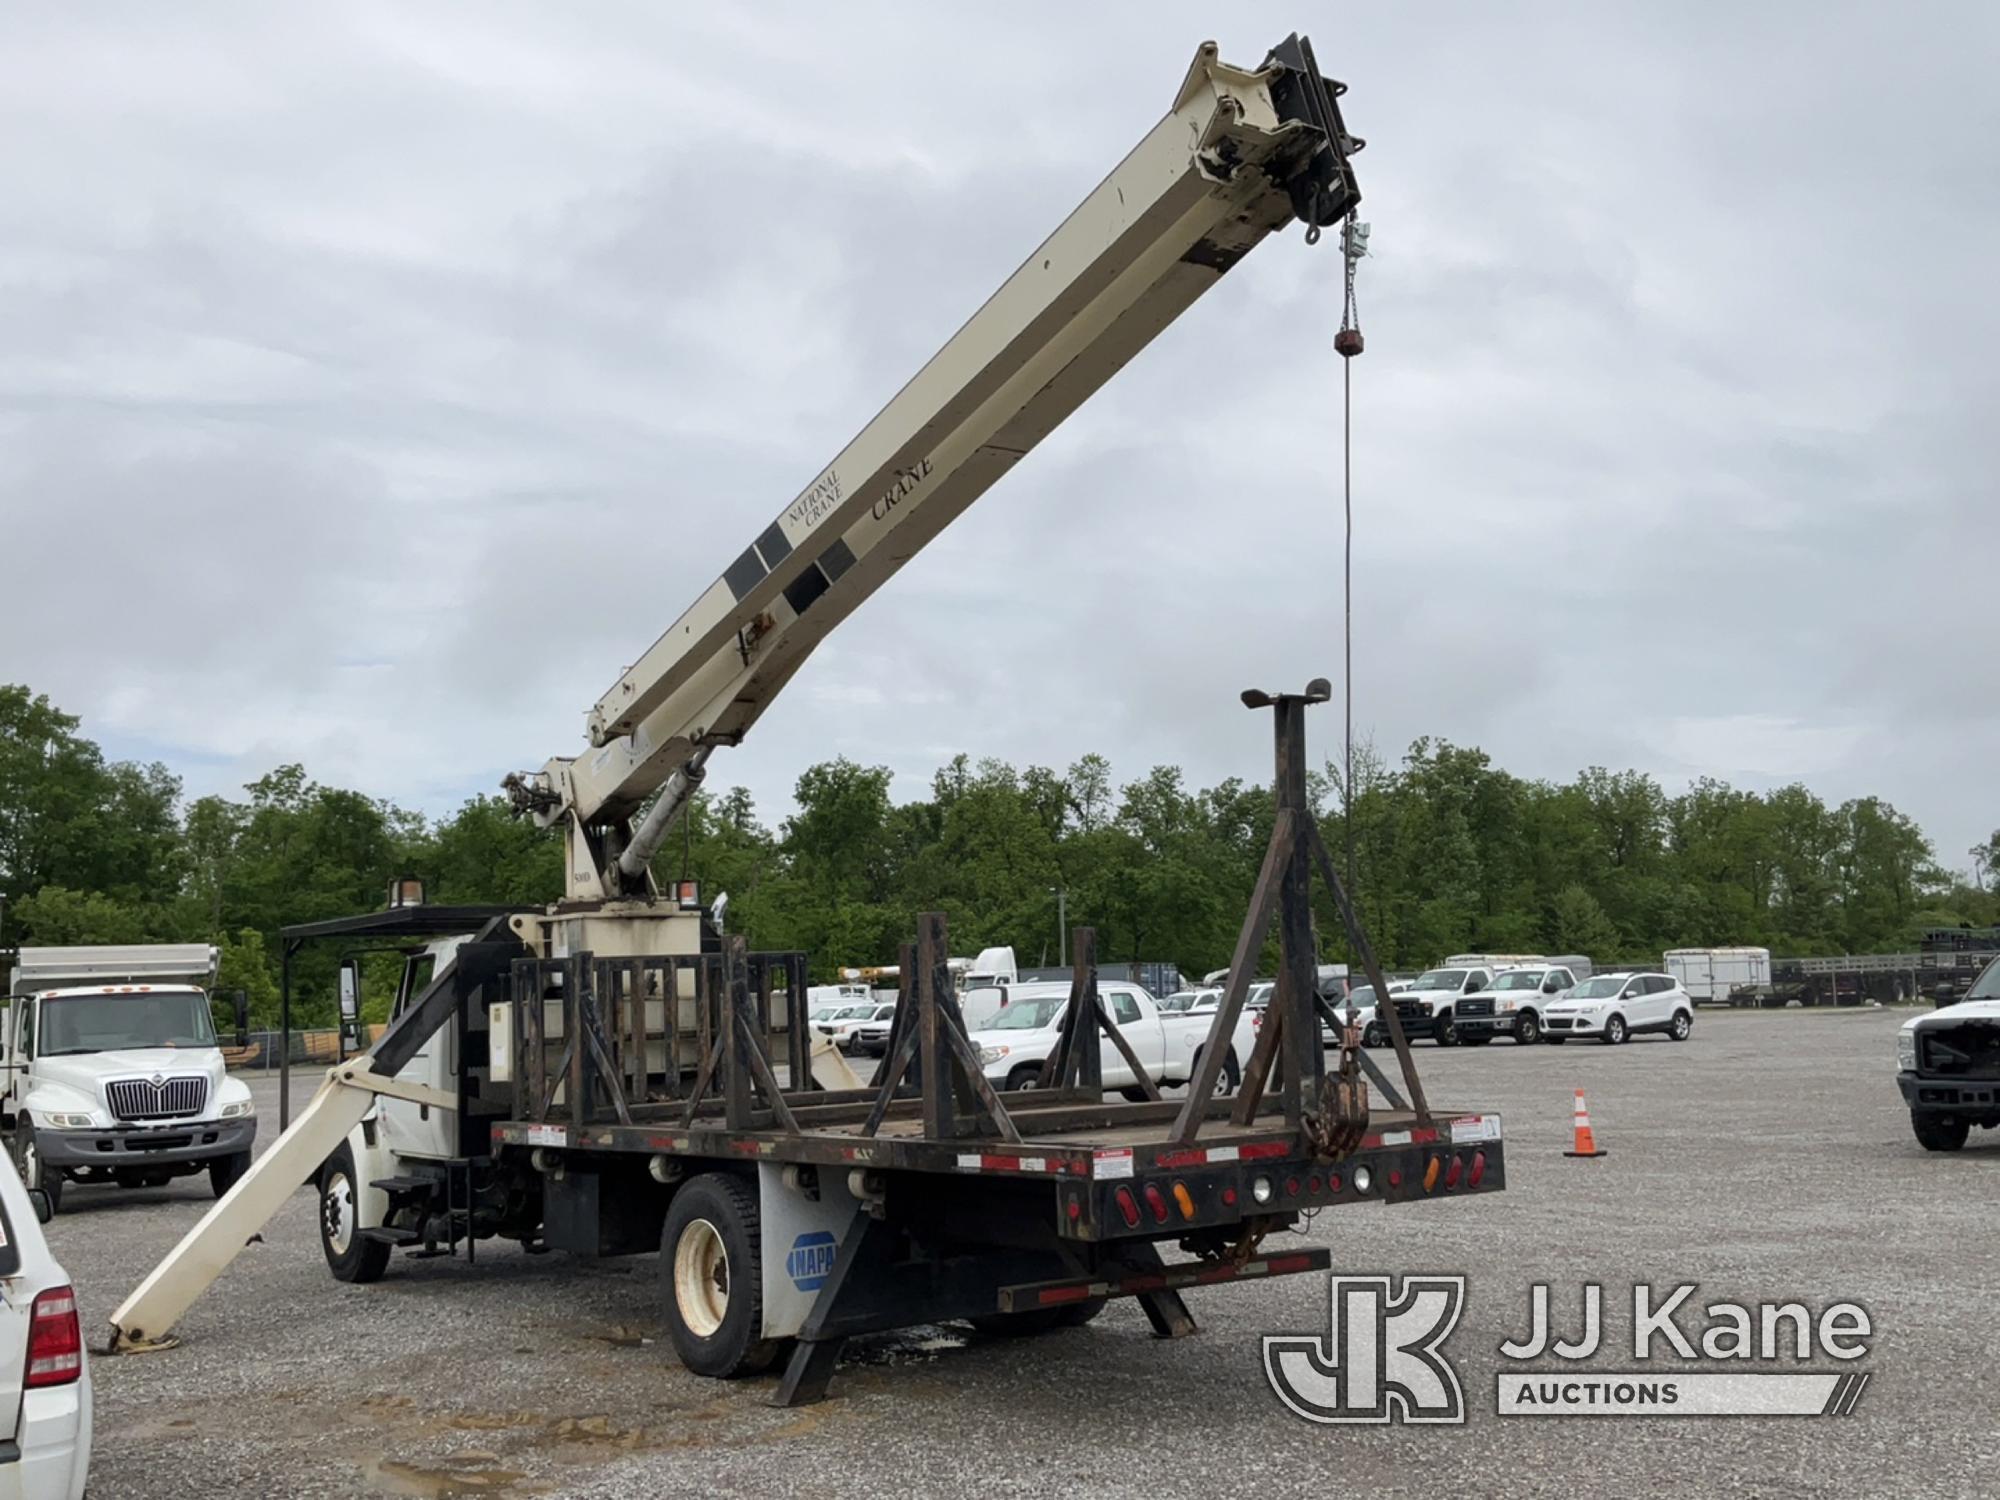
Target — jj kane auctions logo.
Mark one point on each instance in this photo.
(1381, 1359)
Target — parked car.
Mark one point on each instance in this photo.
(871, 1037)
(1426, 1006)
(1948, 1066)
(1020, 1038)
(1512, 1005)
(44, 1373)
(1616, 1007)
(844, 1023)
(1189, 1002)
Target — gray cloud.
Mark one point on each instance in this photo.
(378, 381)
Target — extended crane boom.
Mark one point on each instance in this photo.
(1240, 155)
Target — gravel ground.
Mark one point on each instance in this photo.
(1767, 1159)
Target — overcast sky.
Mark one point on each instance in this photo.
(378, 380)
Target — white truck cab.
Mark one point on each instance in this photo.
(113, 1071)
(1512, 1005)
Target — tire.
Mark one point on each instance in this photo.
(1616, 1033)
(1940, 1132)
(28, 1162)
(224, 1170)
(712, 1277)
(1683, 1024)
(1026, 1076)
(1527, 1029)
(349, 1256)
(1227, 1078)
(1374, 1036)
(1443, 1032)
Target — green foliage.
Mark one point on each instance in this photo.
(1449, 853)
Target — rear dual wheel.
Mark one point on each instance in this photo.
(712, 1277)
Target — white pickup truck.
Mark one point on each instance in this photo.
(1015, 1042)
(113, 1071)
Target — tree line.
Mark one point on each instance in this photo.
(1449, 853)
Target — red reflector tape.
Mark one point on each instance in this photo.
(1265, 1149)
(1060, 1294)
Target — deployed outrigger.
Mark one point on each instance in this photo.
(615, 1075)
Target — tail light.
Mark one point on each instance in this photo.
(1157, 1202)
(1451, 1173)
(1478, 1168)
(55, 1340)
(1128, 1207)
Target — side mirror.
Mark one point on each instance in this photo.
(1550, 988)
(44, 1209)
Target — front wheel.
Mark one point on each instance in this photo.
(1940, 1132)
(712, 1277)
(28, 1161)
(1527, 1029)
(1374, 1036)
(350, 1255)
(1027, 1076)
(1683, 1025)
(1614, 1031)
(224, 1170)
(1445, 1033)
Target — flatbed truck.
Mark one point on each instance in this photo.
(615, 1074)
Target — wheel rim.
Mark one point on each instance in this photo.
(337, 1212)
(701, 1278)
(1615, 1029)
(1529, 1030)
(1027, 1081)
(1680, 1028)
(1222, 1081)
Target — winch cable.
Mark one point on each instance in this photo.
(1348, 343)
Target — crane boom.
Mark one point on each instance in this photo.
(1240, 154)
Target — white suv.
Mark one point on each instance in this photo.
(1615, 1007)
(44, 1373)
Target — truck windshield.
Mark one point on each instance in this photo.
(1027, 1015)
(1439, 979)
(1520, 979)
(1987, 985)
(110, 1023)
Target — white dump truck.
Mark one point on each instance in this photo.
(114, 1073)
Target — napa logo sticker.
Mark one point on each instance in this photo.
(810, 1261)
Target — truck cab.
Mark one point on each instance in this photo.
(1948, 1066)
(1512, 1005)
(113, 1071)
(1428, 1006)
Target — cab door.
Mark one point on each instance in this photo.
(409, 1128)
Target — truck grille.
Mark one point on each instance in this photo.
(162, 1099)
(1474, 1008)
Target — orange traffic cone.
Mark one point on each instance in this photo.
(1586, 1143)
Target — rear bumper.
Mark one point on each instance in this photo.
(49, 1458)
(145, 1146)
(1934, 1096)
(1179, 1190)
